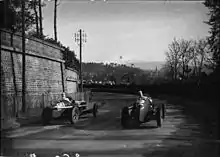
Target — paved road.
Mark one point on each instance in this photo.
(103, 136)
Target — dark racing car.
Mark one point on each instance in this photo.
(142, 111)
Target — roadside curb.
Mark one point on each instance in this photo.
(16, 123)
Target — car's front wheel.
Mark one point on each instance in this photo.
(74, 116)
(95, 110)
(128, 121)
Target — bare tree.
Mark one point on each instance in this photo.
(186, 55)
(173, 58)
(194, 61)
(201, 57)
(40, 16)
(55, 18)
(202, 51)
(35, 3)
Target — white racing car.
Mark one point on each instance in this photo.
(71, 110)
(143, 110)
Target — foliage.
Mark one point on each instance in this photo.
(214, 22)
(9, 21)
(70, 59)
(69, 56)
(16, 8)
(14, 15)
(14, 11)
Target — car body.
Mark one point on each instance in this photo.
(69, 110)
(141, 111)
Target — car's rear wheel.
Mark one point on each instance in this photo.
(163, 110)
(159, 117)
(128, 121)
(46, 115)
(74, 116)
(125, 117)
(95, 110)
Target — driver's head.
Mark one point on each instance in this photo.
(140, 93)
(63, 95)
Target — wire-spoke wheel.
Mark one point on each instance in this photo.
(163, 111)
(74, 117)
(125, 117)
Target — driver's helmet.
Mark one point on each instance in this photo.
(63, 95)
(142, 97)
(140, 93)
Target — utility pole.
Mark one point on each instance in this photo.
(80, 38)
(23, 59)
(80, 51)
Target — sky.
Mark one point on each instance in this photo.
(135, 30)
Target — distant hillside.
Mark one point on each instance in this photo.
(139, 68)
(93, 67)
(151, 65)
(100, 71)
(103, 68)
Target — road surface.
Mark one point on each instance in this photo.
(181, 135)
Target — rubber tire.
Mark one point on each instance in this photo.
(75, 112)
(125, 117)
(159, 117)
(95, 110)
(133, 123)
(46, 115)
(163, 111)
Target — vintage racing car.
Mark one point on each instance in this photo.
(71, 110)
(143, 110)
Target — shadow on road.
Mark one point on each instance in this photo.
(6, 143)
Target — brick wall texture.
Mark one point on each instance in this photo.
(43, 75)
(71, 81)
